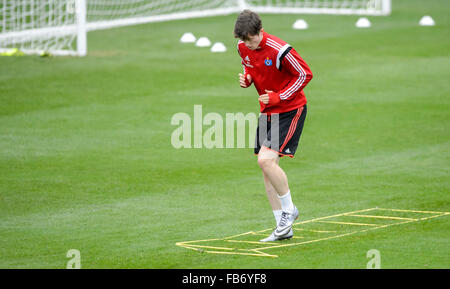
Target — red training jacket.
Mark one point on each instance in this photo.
(277, 67)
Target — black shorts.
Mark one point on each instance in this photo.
(280, 132)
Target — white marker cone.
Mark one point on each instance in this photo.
(426, 21)
(363, 22)
(187, 37)
(218, 47)
(203, 42)
(300, 24)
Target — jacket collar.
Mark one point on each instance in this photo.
(262, 44)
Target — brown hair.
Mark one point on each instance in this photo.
(247, 23)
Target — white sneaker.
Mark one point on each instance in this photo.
(272, 237)
(286, 222)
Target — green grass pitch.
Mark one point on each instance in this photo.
(86, 161)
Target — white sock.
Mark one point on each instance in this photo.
(286, 202)
(277, 214)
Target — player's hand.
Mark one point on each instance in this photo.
(242, 82)
(264, 98)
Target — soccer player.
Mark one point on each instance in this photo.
(279, 75)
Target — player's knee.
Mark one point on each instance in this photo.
(265, 164)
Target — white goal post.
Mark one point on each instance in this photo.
(60, 26)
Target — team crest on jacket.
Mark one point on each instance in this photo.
(268, 62)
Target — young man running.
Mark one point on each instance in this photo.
(279, 75)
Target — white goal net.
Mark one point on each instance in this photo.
(60, 26)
